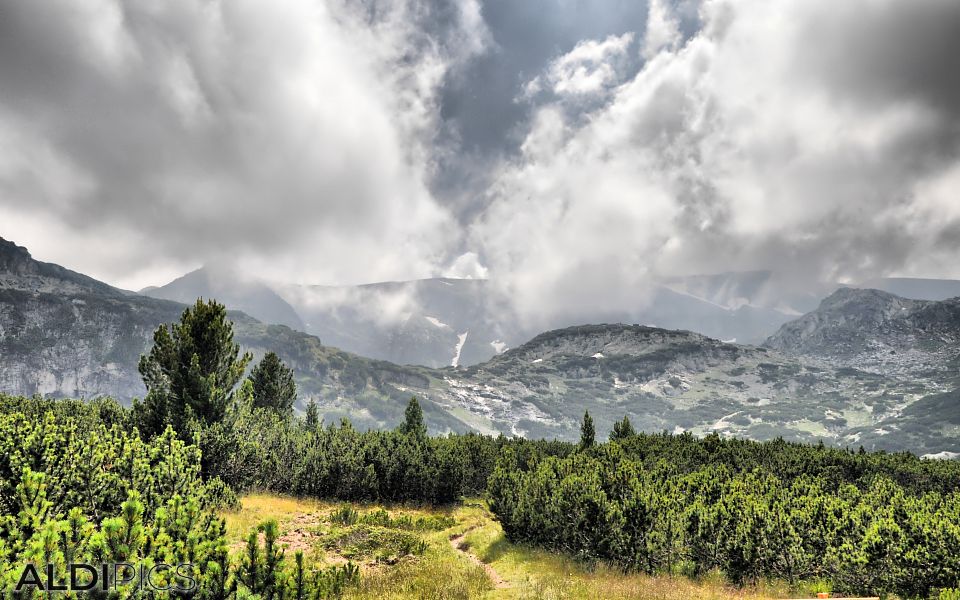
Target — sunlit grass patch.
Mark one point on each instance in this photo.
(534, 573)
(257, 508)
(438, 575)
(408, 552)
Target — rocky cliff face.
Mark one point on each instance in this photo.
(878, 332)
(19, 271)
(65, 334)
(76, 345)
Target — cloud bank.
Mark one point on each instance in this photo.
(296, 136)
(808, 137)
(570, 152)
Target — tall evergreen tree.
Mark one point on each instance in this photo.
(273, 385)
(588, 432)
(413, 420)
(313, 415)
(192, 369)
(622, 430)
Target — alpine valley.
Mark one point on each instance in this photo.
(849, 366)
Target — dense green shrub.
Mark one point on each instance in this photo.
(76, 486)
(866, 534)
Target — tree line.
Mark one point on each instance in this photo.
(855, 521)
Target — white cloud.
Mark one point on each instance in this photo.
(663, 30)
(296, 136)
(741, 149)
(467, 266)
(591, 67)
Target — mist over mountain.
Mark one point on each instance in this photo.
(447, 321)
(864, 368)
(232, 289)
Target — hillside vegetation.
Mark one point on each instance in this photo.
(640, 515)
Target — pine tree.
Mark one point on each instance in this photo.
(312, 419)
(192, 370)
(588, 433)
(622, 430)
(413, 420)
(273, 385)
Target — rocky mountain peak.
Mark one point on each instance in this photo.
(14, 259)
(20, 271)
(603, 340)
(876, 331)
(865, 305)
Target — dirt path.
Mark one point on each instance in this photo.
(299, 532)
(458, 544)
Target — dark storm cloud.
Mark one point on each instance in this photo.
(485, 115)
(896, 51)
(481, 105)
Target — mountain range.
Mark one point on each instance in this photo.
(861, 367)
(461, 322)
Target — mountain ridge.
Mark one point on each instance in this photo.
(81, 337)
(878, 332)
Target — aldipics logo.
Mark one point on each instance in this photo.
(83, 577)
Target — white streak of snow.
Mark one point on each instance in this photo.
(945, 455)
(437, 322)
(461, 340)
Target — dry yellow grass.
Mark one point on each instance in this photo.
(257, 508)
(451, 570)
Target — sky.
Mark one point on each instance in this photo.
(568, 150)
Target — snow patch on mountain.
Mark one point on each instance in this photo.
(461, 340)
(945, 455)
(437, 322)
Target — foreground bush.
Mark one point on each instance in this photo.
(876, 538)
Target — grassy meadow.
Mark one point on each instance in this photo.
(470, 558)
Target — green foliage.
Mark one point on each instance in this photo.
(75, 489)
(256, 449)
(588, 433)
(312, 418)
(191, 371)
(273, 385)
(347, 515)
(76, 480)
(701, 505)
(413, 420)
(382, 543)
(264, 571)
(622, 430)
